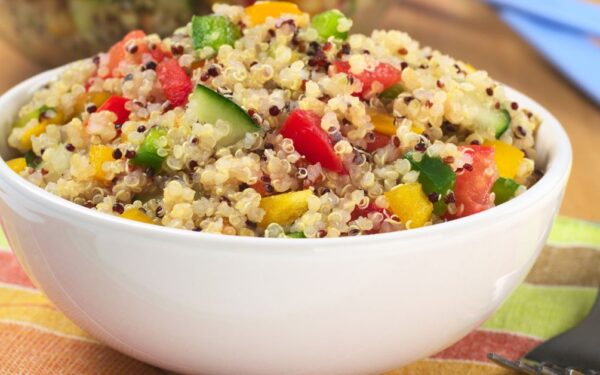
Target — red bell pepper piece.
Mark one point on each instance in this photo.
(475, 182)
(175, 82)
(310, 140)
(116, 105)
(384, 73)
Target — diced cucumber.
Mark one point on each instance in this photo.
(210, 106)
(504, 189)
(327, 24)
(35, 114)
(213, 31)
(296, 235)
(488, 119)
(498, 119)
(391, 93)
(147, 154)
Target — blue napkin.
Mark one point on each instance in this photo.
(573, 52)
(574, 14)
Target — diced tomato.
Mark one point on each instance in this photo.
(116, 105)
(364, 212)
(473, 187)
(174, 81)
(157, 53)
(384, 73)
(310, 140)
(134, 34)
(378, 142)
(118, 52)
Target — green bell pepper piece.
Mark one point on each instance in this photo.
(391, 93)
(296, 235)
(213, 31)
(326, 24)
(147, 154)
(435, 176)
(35, 114)
(504, 189)
(32, 159)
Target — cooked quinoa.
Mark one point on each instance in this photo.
(374, 136)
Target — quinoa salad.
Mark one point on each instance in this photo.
(265, 121)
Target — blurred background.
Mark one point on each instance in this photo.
(549, 50)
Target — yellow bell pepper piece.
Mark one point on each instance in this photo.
(283, 209)
(410, 204)
(97, 98)
(417, 128)
(100, 154)
(508, 158)
(384, 123)
(470, 68)
(40, 128)
(18, 165)
(35, 131)
(136, 215)
(56, 117)
(260, 11)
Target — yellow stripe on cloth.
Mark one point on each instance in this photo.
(32, 307)
(450, 367)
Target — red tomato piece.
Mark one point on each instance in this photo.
(134, 34)
(116, 105)
(311, 141)
(364, 212)
(174, 81)
(384, 73)
(473, 187)
(378, 142)
(118, 52)
(156, 53)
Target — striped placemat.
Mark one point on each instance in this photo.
(559, 291)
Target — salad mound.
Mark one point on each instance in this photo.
(265, 121)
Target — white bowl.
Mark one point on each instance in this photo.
(202, 303)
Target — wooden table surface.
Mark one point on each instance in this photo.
(470, 31)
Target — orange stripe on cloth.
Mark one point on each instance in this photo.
(32, 351)
(31, 307)
(11, 272)
(447, 367)
(477, 344)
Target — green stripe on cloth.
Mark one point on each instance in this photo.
(542, 311)
(573, 232)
